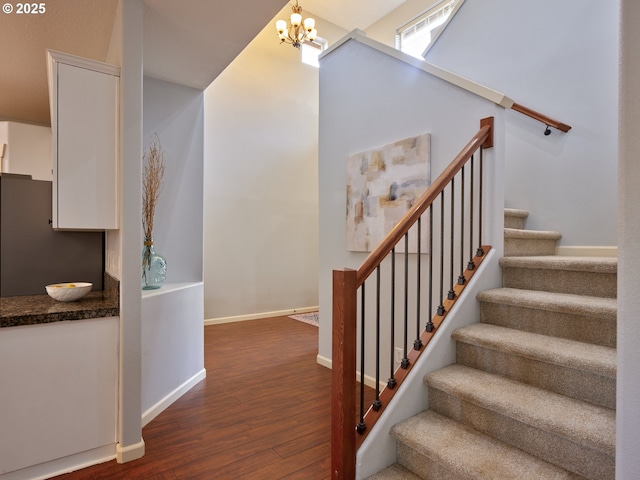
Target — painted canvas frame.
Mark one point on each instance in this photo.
(382, 185)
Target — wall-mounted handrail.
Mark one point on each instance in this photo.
(548, 121)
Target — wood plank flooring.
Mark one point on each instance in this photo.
(262, 413)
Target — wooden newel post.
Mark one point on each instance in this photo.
(343, 382)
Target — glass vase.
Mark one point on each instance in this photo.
(154, 266)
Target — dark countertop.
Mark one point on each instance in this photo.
(38, 309)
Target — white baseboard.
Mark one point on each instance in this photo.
(324, 361)
(130, 452)
(368, 381)
(577, 251)
(161, 405)
(258, 316)
(64, 465)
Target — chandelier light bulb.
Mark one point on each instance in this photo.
(309, 24)
(296, 19)
(281, 26)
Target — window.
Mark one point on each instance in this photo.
(312, 50)
(415, 36)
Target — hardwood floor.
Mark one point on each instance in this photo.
(262, 413)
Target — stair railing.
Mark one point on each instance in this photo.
(452, 205)
(548, 121)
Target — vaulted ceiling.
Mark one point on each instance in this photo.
(189, 42)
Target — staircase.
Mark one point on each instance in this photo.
(533, 392)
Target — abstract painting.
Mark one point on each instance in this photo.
(382, 185)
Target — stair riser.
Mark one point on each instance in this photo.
(561, 281)
(582, 328)
(513, 222)
(527, 247)
(588, 462)
(570, 382)
(423, 466)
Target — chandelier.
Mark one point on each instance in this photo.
(297, 31)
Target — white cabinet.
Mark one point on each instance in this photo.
(59, 396)
(83, 98)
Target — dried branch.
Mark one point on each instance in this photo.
(153, 174)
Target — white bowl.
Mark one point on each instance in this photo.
(68, 292)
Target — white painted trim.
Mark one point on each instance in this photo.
(450, 77)
(60, 466)
(578, 251)
(81, 62)
(259, 316)
(130, 453)
(163, 403)
(324, 361)
(368, 381)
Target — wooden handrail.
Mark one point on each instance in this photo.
(346, 283)
(548, 121)
(483, 138)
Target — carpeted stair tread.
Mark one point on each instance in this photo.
(531, 234)
(559, 415)
(516, 212)
(552, 301)
(558, 262)
(464, 453)
(394, 472)
(566, 315)
(557, 351)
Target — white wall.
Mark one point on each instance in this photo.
(261, 198)
(172, 345)
(176, 114)
(172, 342)
(628, 382)
(559, 58)
(369, 99)
(28, 150)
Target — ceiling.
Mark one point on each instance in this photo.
(188, 42)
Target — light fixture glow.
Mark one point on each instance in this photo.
(298, 31)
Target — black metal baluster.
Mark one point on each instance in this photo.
(452, 294)
(405, 361)
(471, 265)
(480, 251)
(441, 306)
(362, 426)
(417, 343)
(461, 279)
(377, 404)
(391, 383)
(429, 326)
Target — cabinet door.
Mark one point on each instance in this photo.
(85, 167)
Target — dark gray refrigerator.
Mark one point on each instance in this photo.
(32, 254)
